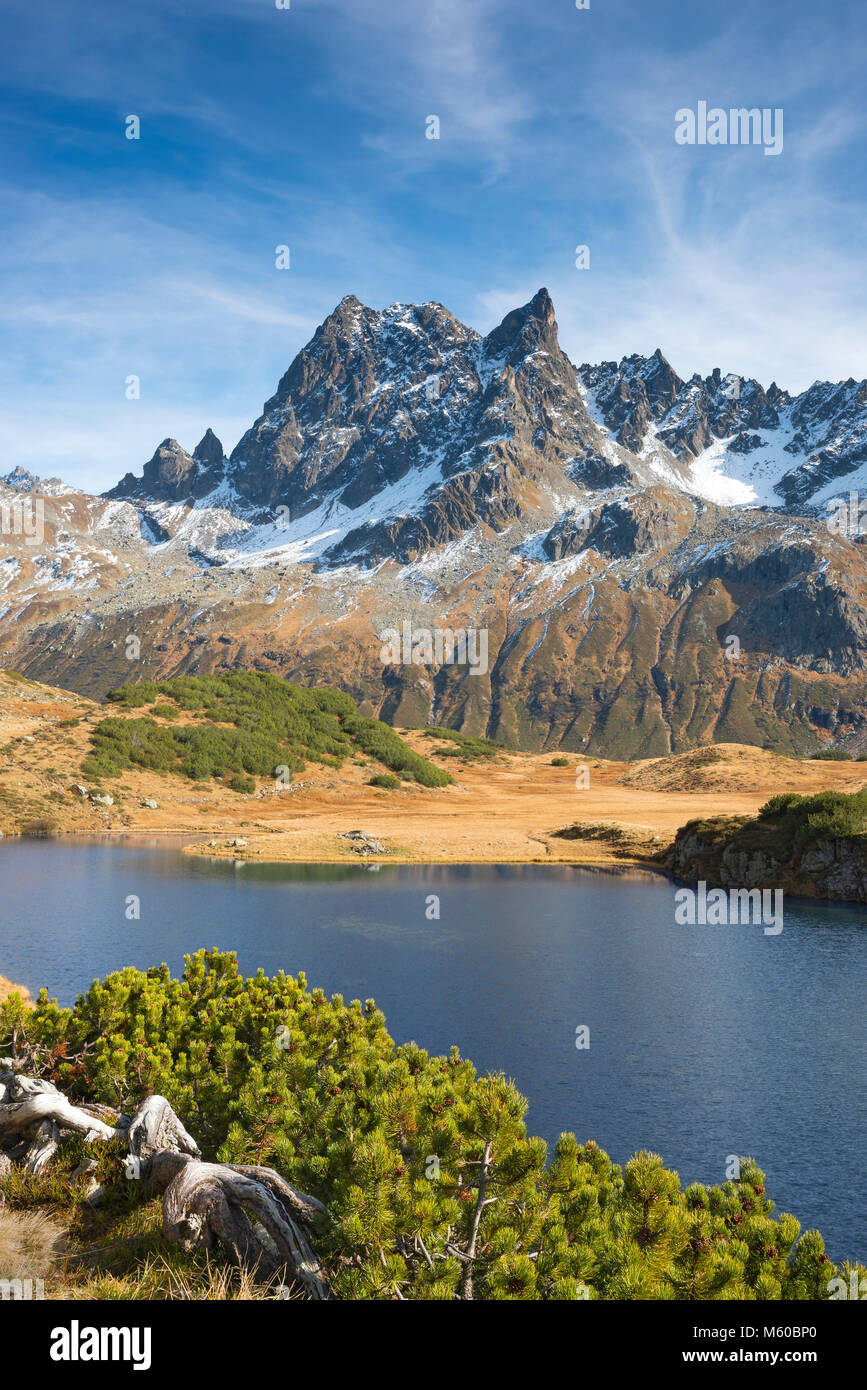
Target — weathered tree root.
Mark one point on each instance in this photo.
(253, 1213)
(155, 1127)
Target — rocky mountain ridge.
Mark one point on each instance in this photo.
(650, 557)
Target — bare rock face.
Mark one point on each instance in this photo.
(822, 430)
(649, 522)
(642, 393)
(829, 434)
(208, 453)
(833, 868)
(376, 398)
(173, 475)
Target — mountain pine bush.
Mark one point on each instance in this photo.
(249, 724)
(799, 820)
(434, 1188)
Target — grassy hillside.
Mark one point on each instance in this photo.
(242, 725)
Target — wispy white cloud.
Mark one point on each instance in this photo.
(307, 127)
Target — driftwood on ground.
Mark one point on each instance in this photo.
(252, 1212)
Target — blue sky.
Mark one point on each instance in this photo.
(306, 127)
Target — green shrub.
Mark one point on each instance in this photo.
(559, 762)
(800, 820)
(242, 784)
(832, 755)
(379, 741)
(399, 1145)
(132, 696)
(384, 779)
(780, 805)
(469, 748)
(250, 723)
(165, 711)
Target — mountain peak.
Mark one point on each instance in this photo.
(21, 479)
(345, 311)
(409, 395)
(541, 306)
(209, 450)
(169, 446)
(173, 475)
(530, 328)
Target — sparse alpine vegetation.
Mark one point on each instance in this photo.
(467, 748)
(241, 725)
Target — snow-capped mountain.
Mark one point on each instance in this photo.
(744, 445)
(612, 527)
(22, 481)
(394, 431)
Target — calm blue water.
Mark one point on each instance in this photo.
(705, 1040)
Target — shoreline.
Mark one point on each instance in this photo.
(603, 850)
(313, 848)
(515, 807)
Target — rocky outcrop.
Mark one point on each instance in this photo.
(723, 854)
(651, 521)
(173, 475)
(640, 393)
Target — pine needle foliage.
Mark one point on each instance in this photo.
(434, 1188)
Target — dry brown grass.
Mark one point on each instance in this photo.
(505, 811)
(7, 988)
(736, 767)
(220, 1281)
(31, 1242)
